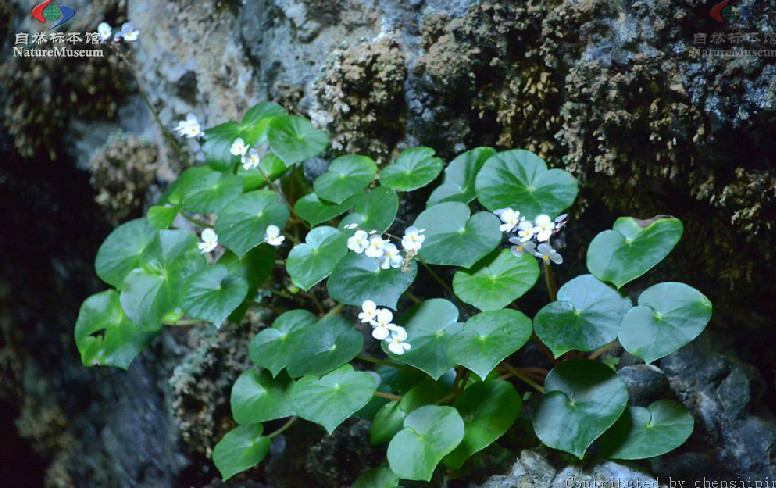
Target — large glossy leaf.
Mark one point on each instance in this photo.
(294, 139)
(586, 316)
(242, 224)
(240, 449)
(331, 399)
(487, 338)
(315, 211)
(346, 176)
(582, 400)
(669, 316)
(211, 192)
(389, 420)
(632, 248)
(413, 169)
(121, 251)
(314, 260)
(454, 238)
(258, 397)
(429, 433)
(460, 175)
(496, 281)
(104, 335)
(520, 179)
(374, 211)
(213, 293)
(318, 349)
(256, 121)
(272, 348)
(358, 278)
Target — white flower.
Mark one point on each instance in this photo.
(510, 219)
(251, 160)
(209, 240)
(104, 30)
(543, 228)
(350, 226)
(382, 324)
(412, 240)
(273, 237)
(547, 253)
(525, 230)
(391, 258)
(127, 32)
(368, 311)
(397, 345)
(189, 128)
(521, 247)
(358, 242)
(376, 247)
(238, 147)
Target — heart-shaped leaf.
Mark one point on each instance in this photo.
(648, 432)
(240, 449)
(430, 326)
(669, 316)
(632, 248)
(212, 294)
(496, 281)
(582, 400)
(346, 176)
(328, 401)
(487, 338)
(255, 267)
(377, 478)
(242, 224)
(586, 316)
(104, 335)
(270, 168)
(520, 179)
(358, 278)
(429, 433)
(460, 175)
(294, 139)
(256, 121)
(162, 216)
(318, 349)
(413, 169)
(312, 261)
(375, 211)
(453, 238)
(316, 211)
(211, 192)
(488, 410)
(389, 420)
(272, 348)
(258, 397)
(121, 251)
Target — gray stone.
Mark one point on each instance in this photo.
(646, 384)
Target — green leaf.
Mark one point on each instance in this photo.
(255, 267)
(389, 420)
(519, 179)
(632, 248)
(240, 449)
(487, 338)
(121, 251)
(488, 410)
(358, 278)
(586, 316)
(497, 280)
(272, 348)
(452, 238)
(430, 433)
(211, 192)
(460, 175)
(255, 123)
(328, 401)
(582, 400)
(242, 224)
(669, 316)
(375, 211)
(323, 347)
(430, 326)
(413, 169)
(377, 478)
(642, 433)
(162, 216)
(213, 293)
(258, 397)
(104, 335)
(314, 260)
(294, 139)
(347, 175)
(315, 211)
(270, 167)
(218, 146)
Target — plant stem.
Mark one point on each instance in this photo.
(291, 237)
(187, 323)
(317, 303)
(549, 280)
(335, 310)
(383, 362)
(412, 297)
(194, 221)
(519, 374)
(438, 279)
(283, 428)
(597, 353)
(267, 306)
(389, 396)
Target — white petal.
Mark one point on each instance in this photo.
(368, 306)
(396, 348)
(543, 219)
(380, 333)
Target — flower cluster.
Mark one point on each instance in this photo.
(382, 327)
(532, 237)
(385, 252)
(126, 33)
(189, 128)
(248, 157)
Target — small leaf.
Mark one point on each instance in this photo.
(294, 139)
(586, 316)
(272, 348)
(315, 211)
(487, 338)
(211, 192)
(347, 175)
(629, 250)
(519, 179)
(323, 347)
(642, 433)
(413, 169)
(358, 278)
(582, 400)
(218, 144)
(669, 316)
(460, 175)
(430, 433)
(328, 401)
(213, 293)
(162, 216)
(389, 420)
(242, 224)
(256, 122)
(452, 238)
(105, 336)
(497, 280)
(121, 251)
(314, 260)
(377, 478)
(375, 211)
(257, 397)
(240, 449)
